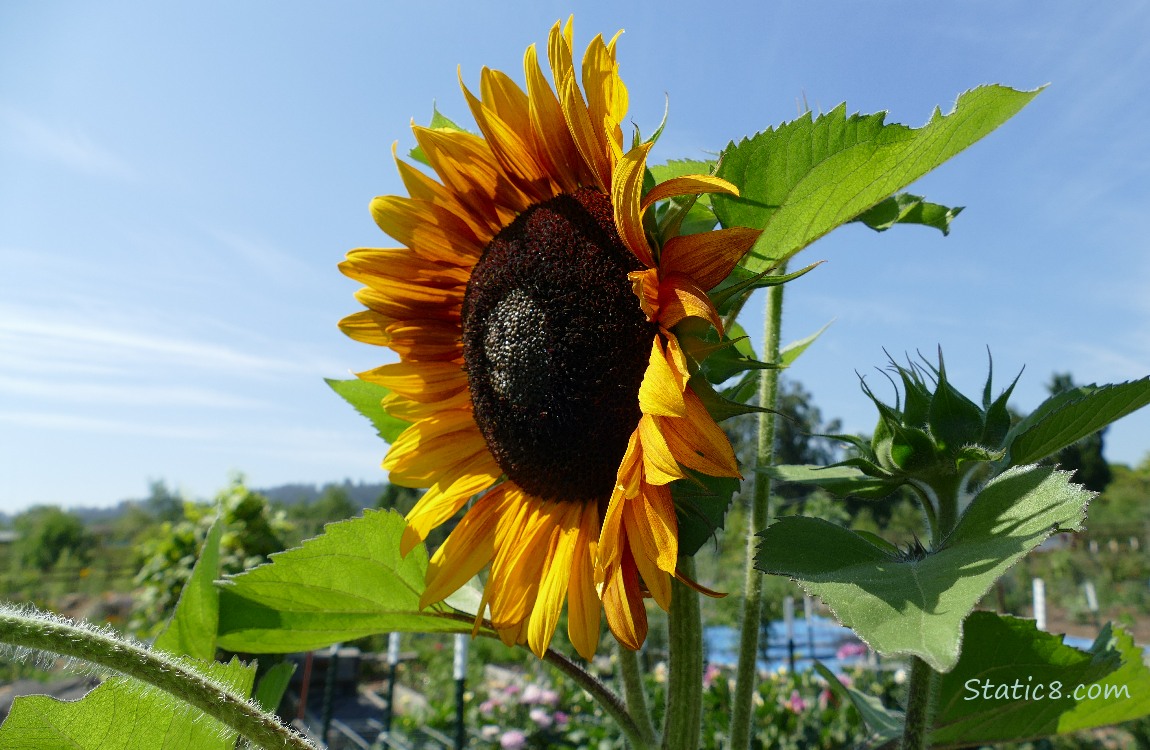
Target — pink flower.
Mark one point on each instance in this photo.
(850, 649)
(541, 717)
(512, 740)
(710, 674)
(795, 703)
(561, 719)
(549, 697)
(489, 732)
(532, 694)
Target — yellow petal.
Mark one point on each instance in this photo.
(430, 231)
(661, 393)
(553, 586)
(689, 185)
(651, 522)
(426, 382)
(584, 132)
(583, 607)
(645, 285)
(446, 497)
(465, 552)
(658, 582)
(549, 128)
(515, 155)
(626, 187)
(697, 442)
(659, 465)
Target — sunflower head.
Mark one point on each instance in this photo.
(534, 319)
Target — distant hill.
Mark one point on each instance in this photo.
(363, 494)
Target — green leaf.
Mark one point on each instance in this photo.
(438, 122)
(1065, 419)
(701, 504)
(725, 362)
(792, 351)
(191, 631)
(366, 398)
(840, 481)
(348, 583)
(806, 177)
(1006, 652)
(883, 723)
(905, 208)
(271, 687)
(120, 714)
(914, 606)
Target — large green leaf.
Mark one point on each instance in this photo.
(840, 481)
(123, 714)
(1065, 419)
(914, 604)
(806, 177)
(366, 398)
(191, 631)
(348, 583)
(701, 504)
(1015, 682)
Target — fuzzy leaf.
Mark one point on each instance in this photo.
(1065, 419)
(915, 606)
(347, 583)
(1007, 651)
(801, 180)
(123, 714)
(366, 398)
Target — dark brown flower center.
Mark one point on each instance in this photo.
(555, 346)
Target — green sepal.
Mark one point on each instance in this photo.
(884, 724)
(838, 480)
(1009, 650)
(438, 122)
(741, 281)
(954, 419)
(792, 351)
(367, 398)
(725, 362)
(905, 208)
(718, 407)
(701, 503)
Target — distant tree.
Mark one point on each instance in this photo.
(401, 499)
(47, 533)
(163, 503)
(252, 532)
(797, 436)
(1084, 458)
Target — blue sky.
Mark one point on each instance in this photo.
(179, 181)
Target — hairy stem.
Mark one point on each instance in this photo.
(746, 673)
(30, 629)
(610, 702)
(684, 716)
(920, 705)
(635, 694)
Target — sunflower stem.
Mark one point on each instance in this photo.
(29, 629)
(606, 698)
(747, 671)
(921, 698)
(635, 694)
(684, 714)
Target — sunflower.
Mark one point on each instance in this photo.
(534, 321)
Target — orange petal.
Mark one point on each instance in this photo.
(584, 132)
(429, 230)
(653, 524)
(707, 257)
(627, 485)
(623, 604)
(680, 297)
(645, 285)
(549, 128)
(658, 583)
(515, 155)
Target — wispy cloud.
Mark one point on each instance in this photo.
(128, 393)
(268, 260)
(69, 147)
